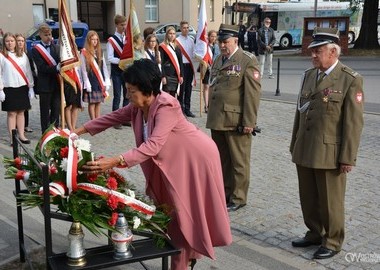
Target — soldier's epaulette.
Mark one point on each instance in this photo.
(250, 55)
(309, 69)
(348, 70)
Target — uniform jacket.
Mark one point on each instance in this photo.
(261, 39)
(177, 170)
(47, 75)
(235, 91)
(328, 132)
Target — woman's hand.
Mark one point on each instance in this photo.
(163, 80)
(100, 165)
(81, 130)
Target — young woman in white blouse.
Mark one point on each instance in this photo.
(16, 85)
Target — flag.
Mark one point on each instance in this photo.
(68, 48)
(202, 50)
(131, 32)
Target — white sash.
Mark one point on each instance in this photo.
(115, 46)
(46, 55)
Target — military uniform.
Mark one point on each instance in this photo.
(235, 91)
(326, 133)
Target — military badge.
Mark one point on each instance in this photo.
(359, 97)
(256, 75)
(326, 94)
(234, 70)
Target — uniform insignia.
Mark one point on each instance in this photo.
(326, 94)
(234, 70)
(256, 75)
(250, 55)
(353, 73)
(359, 97)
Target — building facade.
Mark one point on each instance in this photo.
(19, 16)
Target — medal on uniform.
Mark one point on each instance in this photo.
(326, 94)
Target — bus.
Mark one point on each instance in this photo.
(288, 17)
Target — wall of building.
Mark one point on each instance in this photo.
(17, 15)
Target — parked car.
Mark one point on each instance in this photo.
(160, 31)
(80, 32)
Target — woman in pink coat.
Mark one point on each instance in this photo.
(181, 164)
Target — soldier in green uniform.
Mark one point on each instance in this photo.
(325, 141)
(234, 98)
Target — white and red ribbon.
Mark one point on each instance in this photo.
(122, 198)
(72, 159)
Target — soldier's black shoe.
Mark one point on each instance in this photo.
(304, 243)
(324, 253)
(232, 207)
(189, 114)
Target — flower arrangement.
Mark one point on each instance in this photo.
(94, 200)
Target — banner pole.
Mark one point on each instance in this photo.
(62, 103)
(201, 72)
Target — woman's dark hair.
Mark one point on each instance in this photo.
(144, 74)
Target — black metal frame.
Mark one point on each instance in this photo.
(144, 249)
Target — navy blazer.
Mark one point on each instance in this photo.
(47, 75)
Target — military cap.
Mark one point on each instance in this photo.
(227, 31)
(322, 36)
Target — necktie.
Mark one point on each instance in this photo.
(224, 59)
(46, 46)
(321, 76)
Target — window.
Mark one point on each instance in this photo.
(151, 10)
(212, 11)
(38, 14)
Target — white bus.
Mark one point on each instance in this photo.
(288, 17)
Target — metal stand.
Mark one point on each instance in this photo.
(278, 78)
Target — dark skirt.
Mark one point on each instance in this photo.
(206, 78)
(95, 96)
(72, 98)
(16, 99)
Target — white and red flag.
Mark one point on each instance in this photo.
(68, 48)
(131, 33)
(202, 50)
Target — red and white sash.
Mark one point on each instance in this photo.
(115, 45)
(45, 55)
(173, 58)
(188, 59)
(18, 68)
(96, 69)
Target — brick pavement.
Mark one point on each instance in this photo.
(273, 217)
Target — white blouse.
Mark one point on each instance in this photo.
(9, 76)
(145, 130)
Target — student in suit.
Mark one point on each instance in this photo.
(115, 46)
(46, 57)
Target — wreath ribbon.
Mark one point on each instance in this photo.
(72, 159)
(122, 198)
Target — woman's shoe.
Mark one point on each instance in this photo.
(28, 129)
(206, 109)
(26, 141)
(192, 263)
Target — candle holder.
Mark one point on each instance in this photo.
(76, 251)
(122, 239)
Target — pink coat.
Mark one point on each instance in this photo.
(182, 168)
